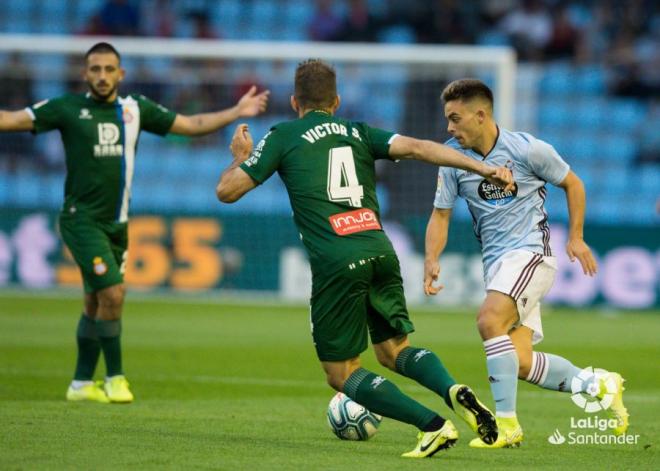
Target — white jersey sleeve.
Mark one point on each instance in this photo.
(447, 190)
(546, 162)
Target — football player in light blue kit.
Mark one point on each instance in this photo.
(519, 267)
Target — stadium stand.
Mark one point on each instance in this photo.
(585, 105)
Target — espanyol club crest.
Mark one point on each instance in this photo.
(100, 268)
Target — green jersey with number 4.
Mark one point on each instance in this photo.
(100, 141)
(327, 166)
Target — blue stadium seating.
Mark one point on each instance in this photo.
(600, 136)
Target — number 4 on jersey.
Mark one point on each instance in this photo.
(343, 185)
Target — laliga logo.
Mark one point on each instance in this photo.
(595, 401)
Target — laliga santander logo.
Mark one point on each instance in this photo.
(594, 401)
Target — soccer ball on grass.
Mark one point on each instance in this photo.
(351, 421)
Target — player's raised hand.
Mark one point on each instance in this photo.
(241, 143)
(431, 273)
(577, 248)
(253, 103)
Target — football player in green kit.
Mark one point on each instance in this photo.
(100, 130)
(327, 166)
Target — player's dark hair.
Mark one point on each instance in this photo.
(315, 84)
(467, 89)
(101, 48)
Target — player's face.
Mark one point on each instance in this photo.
(463, 122)
(103, 74)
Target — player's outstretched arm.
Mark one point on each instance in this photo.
(15, 121)
(234, 182)
(435, 242)
(250, 104)
(404, 147)
(576, 247)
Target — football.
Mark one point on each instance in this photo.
(351, 421)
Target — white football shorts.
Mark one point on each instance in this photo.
(526, 277)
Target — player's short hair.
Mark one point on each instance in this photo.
(315, 84)
(467, 89)
(102, 48)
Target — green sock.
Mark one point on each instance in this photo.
(109, 333)
(89, 349)
(383, 397)
(425, 367)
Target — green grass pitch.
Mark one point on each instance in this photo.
(234, 386)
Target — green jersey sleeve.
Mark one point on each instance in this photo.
(154, 117)
(265, 158)
(379, 141)
(47, 114)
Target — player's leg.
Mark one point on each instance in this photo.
(556, 373)
(496, 316)
(93, 247)
(109, 317)
(389, 324)
(82, 387)
(383, 397)
(339, 330)
(75, 235)
(426, 368)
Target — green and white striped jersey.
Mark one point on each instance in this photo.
(100, 141)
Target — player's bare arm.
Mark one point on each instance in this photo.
(250, 104)
(435, 242)
(234, 182)
(15, 121)
(576, 247)
(404, 147)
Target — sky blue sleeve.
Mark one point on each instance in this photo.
(546, 162)
(447, 190)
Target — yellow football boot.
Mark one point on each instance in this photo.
(469, 408)
(116, 388)
(429, 443)
(88, 392)
(612, 383)
(510, 435)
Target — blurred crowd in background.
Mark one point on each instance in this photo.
(598, 85)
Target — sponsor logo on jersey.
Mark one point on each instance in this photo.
(108, 137)
(84, 114)
(100, 268)
(256, 153)
(493, 194)
(350, 222)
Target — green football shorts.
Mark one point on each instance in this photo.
(99, 249)
(366, 295)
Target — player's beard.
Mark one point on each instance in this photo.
(101, 96)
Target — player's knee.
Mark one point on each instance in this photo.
(491, 323)
(335, 381)
(387, 359)
(112, 298)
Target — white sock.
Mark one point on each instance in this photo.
(77, 384)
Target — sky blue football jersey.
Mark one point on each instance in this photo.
(505, 221)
